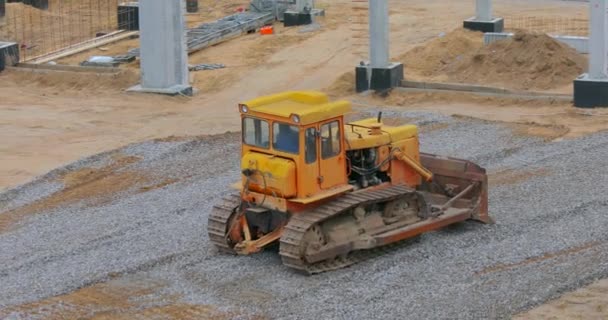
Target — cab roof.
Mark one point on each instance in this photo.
(309, 106)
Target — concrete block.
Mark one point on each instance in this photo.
(580, 44)
(192, 6)
(590, 93)
(294, 18)
(184, 90)
(495, 25)
(380, 78)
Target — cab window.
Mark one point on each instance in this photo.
(285, 138)
(330, 139)
(310, 139)
(256, 132)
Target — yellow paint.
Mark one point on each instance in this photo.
(399, 171)
(415, 165)
(358, 134)
(293, 184)
(309, 106)
(272, 174)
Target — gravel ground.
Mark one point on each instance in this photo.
(550, 236)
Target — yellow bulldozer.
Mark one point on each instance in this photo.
(333, 193)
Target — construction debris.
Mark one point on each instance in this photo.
(100, 61)
(208, 34)
(106, 61)
(277, 8)
(206, 66)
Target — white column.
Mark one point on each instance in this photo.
(483, 11)
(378, 33)
(302, 4)
(598, 39)
(163, 51)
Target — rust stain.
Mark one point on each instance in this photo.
(537, 259)
(117, 300)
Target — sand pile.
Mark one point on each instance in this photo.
(526, 61)
(343, 86)
(432, 58)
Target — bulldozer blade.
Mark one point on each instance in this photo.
(452, 179)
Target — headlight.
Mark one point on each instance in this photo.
(295, 118)
(244, 108)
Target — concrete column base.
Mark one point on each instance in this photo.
(381, 78)
(496, 25)
(191, 6)
(590, 93)
(9, 54)
(172, 91)
(294, 18)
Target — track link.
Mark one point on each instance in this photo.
(219, 220)
(291, 243)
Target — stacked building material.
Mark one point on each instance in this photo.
(208, 34)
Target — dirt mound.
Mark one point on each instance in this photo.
(73, 82)
(343, 86)
(432, 58)
(526, 61)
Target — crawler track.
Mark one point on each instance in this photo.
(219, 220)
(292, 241)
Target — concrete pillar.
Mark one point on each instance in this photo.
(304, 5)
(378, 33)
(591, 89)
(483, 20)
(598, 39)
(163, 50)
(379, 74)
(483, 11)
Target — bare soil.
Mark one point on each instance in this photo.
(587, 303)
(119, 299)
(51, 119)
(528, 61)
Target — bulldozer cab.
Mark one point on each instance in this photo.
(293, 144)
